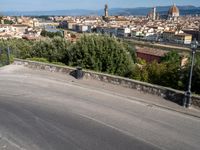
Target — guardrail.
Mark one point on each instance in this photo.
(167, 93)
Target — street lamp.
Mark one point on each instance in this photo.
(187, 98)
(8, 56)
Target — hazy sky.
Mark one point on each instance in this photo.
(25, 5)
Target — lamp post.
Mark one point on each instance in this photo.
(187, 98)
(8, 56)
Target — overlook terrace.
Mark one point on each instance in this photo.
(42, 102)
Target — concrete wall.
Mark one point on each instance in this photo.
(167, 93)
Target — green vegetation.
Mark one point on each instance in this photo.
(44, 60)
(100, 53)
(172, 57)
(38, 59)
(51, 34)
(4, 59)
(106, 54)
(166, 74)
(8, 21)
(54, 50)
(196, 76)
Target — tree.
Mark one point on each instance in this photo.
(172, 57)
(196, 76)
(155, 72)
(101, 53)
(51, 34)
(8, 21)
(172, 76)
(140, 73)
(54, 50)
(132, 51)
(20, 48)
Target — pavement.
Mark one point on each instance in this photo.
(40, 110)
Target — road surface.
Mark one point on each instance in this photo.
(42, 111)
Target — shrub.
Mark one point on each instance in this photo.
(38, 59)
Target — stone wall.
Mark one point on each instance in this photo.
(167, 93)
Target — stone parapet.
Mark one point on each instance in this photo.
(167, 93)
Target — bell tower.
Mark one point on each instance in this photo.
(106, 11)
(154, 13)
(1, 19)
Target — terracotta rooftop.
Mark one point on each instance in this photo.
(173, 10)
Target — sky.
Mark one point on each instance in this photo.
(33, 5)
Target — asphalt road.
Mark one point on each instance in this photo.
(42, 111)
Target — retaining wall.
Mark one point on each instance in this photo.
(167, 93)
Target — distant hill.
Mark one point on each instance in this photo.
(141, 11)
(73, 12)
(184, 10)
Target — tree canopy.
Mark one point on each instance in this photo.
(51, 34)
(101, 53)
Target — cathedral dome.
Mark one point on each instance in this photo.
(173, 11)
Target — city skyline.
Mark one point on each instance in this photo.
(39, 5)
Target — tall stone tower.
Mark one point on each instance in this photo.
(1, 19)
(154, 13)
(106, 11)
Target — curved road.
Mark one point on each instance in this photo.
(43, 111)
